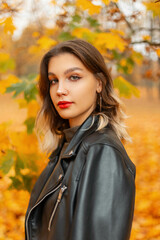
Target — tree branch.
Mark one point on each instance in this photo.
(147, 29)
(130, 25)
(3, 11)
(144, 41)
(124, 18)
(9, 8)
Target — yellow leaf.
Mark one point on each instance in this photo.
(24, 143)
(8, 25)
(154, 7)
(116, 31)
(37, 78)
(34, 49)
(125, 88)
(33, 108)
(7, 82)
(51, 31)
(137, 57)
(4, 57)
(146, 37)
(123, 62)
(5, 6)
(25, 171)
(110, 41)
(46, 42)
(88, 5)
(43, 43)
(35, 34)
(143, 205)
(84, 33)
(22, 103)
(107, 2)
(4, 138)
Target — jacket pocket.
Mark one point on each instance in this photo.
(62, 190)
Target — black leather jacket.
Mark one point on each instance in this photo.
(94, 199)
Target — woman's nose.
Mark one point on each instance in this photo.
(62, 90)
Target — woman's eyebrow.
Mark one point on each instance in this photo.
(68, 70)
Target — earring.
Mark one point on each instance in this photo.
(100, 102)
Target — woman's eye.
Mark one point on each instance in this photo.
(53, 81)
(74, 77)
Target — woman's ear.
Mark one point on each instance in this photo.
(99, 86)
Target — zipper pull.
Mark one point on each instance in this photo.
(61, 193)
(56, 205)
(60, 177)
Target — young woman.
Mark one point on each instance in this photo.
(87, 190)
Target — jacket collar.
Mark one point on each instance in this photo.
(87, 127)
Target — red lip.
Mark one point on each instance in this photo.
(64, 104)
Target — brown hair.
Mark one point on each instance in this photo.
(111, 109)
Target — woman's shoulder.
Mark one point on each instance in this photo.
(105, 139)
(104, 136)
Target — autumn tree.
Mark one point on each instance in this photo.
(116, 32)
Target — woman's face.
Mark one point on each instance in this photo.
(72, 88)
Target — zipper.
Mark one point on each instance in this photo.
(55, 189)
(56, 205)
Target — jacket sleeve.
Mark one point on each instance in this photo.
(104, 205)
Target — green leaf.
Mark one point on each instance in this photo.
(16, 183)
(31, 76)
(26, 86)
(72, 26)
(17, 88)
(123, 69)
(125, 88)
(93, 22)
(130, 61)
(30, 92)
(19, 164)
(27, 182)
(116, 55)
(76, 18)
(64, 36)
(30, 124)
(7, 161)
(74, 23)
(6, 65)
(30, 161)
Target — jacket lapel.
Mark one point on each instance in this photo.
(89, 126)
(51, 173)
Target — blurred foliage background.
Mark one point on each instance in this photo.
(127, 33)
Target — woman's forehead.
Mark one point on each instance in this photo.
(65, 63)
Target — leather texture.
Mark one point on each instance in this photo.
(98, 203)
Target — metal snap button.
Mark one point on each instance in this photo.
(71, 152)
(60, 176)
